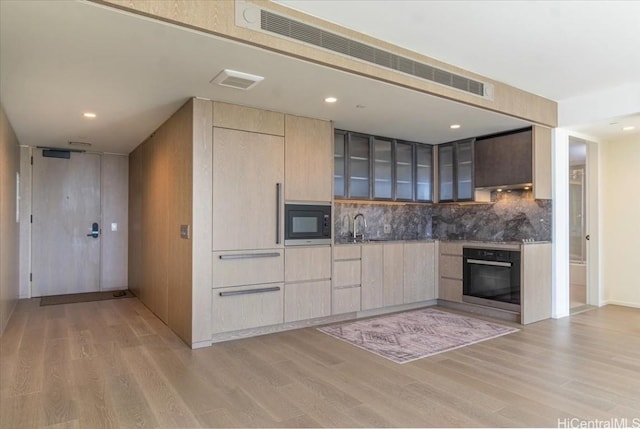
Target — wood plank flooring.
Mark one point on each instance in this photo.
(113, 364)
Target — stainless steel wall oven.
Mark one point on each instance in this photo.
(491, 277)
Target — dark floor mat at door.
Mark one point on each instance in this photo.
(85, 297)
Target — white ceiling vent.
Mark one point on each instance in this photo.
(236, 79)
(256, 17)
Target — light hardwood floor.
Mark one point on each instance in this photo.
(114, 364)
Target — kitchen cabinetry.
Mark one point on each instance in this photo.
(308, 145)
(247, 307)
(346, 279)
(455, 171)
(419, 272)
(382, 168)
(393, 273)
(450, 271)
(379, 168)
(372, 276)
(541, 162)
(535, 283)
(248, 172)
(307, 289)
(504, 160)
(248, 254)
(404, 171)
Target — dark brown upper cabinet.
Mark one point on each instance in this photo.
(504, 160)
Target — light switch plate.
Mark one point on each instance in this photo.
(114, 227)
(184, 232)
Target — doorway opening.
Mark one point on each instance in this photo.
(578, 226)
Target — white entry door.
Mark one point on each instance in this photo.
(66, 223)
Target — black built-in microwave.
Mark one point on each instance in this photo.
(307, 224)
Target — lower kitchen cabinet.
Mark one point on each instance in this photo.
(236, 268)
(307, 300)
(419, 272)
(346, 300)
(372, 276)
(393, 273)
(450, 270)
(245, 307)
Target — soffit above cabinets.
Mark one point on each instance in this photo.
(134, 72)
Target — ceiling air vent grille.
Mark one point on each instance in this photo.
(278, 24)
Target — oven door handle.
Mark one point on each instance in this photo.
(492, 263)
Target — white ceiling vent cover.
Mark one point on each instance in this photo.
(236, 79)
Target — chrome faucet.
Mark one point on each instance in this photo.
(359, 235)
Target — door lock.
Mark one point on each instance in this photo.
(95, 230)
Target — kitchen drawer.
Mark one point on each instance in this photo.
(450, 247)
(245, 307)
(346, 273)
(346, 252)
(346, 300)
(307, 263)
(307, 300)
(237, 268)
(450, 266)
(450, 290)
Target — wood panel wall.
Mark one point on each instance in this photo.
(218, 17)
(113, 196)
(160, 200)
(9, 227)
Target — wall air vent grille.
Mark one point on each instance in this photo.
(274, 23)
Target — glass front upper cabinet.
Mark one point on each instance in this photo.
(424, 172)
(339, 164)
(359, 166)
(464, 169)
(382, 168)
(455, 171)
(404, 171)
(445, 171)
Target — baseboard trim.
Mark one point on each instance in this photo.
(621, 303)
(265, 330)
(496, 313)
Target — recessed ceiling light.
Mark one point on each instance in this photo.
(499, 190)
(89, 115)
(629, 128)
(526, 188)
(454, 126)
(330, 100)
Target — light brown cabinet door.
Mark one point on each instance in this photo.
(393, 255)
(247, 210)
(66, 203)
(308, 159)
(419, 272)
(372, 277)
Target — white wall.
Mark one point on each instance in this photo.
(620, 167)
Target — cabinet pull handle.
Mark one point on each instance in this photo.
(278, 198)
(250, 291)
(250, 255)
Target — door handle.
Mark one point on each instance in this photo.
(588, 237)
(95, 230)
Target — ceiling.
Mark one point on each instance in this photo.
(60, 59)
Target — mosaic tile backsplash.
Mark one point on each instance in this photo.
(511, 216)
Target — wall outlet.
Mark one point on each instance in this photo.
(387, 228)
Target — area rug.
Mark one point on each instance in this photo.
(85, 297)
(405, 337)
